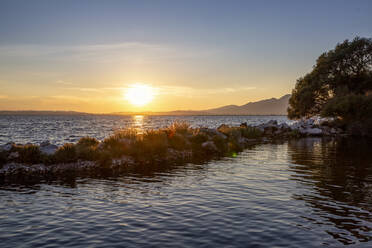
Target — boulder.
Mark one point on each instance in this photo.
(7, 147)
(44, 143)
(284, 126)
(272, 123)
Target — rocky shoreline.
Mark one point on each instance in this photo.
(126, 149)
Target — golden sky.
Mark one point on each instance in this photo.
(84, 55)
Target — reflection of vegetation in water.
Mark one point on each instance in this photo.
(339, 171)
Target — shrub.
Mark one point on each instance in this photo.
(197, 140)
(87, 142)
(66, 154)
(180, 127)
(234, 132)
(120, 142)
(220, 143)
(153, 143)
(349, 108)
(178, 142)
(234, 146)
(198, 137)
(29, 154)
(86, 148)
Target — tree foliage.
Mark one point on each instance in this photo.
(338, 85)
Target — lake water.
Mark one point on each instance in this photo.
(63, 129)
(310, 192)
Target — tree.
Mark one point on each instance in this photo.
(339, 84)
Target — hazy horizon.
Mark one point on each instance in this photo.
(85, 56)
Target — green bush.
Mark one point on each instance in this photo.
(349, 108)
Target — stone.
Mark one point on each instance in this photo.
(284, 126)
(222, 128)
(7, 147)
(45, 143)
(272, 123)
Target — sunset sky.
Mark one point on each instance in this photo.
(85, 55)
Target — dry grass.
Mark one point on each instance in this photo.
(152, 145)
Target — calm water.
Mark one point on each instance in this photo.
(63, 129)
(306, 193)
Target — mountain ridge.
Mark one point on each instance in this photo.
(271, 106)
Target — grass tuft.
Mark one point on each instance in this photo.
(28, 154)
(66, 153)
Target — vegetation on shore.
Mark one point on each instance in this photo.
(339, 86)
(150, 146)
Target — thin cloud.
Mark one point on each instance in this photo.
(63, 82)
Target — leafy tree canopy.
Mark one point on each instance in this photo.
(339, 85)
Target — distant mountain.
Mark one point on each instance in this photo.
(271, 106)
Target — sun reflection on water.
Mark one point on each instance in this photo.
(138, 123)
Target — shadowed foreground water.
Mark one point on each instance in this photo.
(304, 193)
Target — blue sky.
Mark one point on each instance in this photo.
(81, 55)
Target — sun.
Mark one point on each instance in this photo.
(139, 94)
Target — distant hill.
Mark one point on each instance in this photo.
(271, 106)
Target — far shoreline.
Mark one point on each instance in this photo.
(72, 113)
